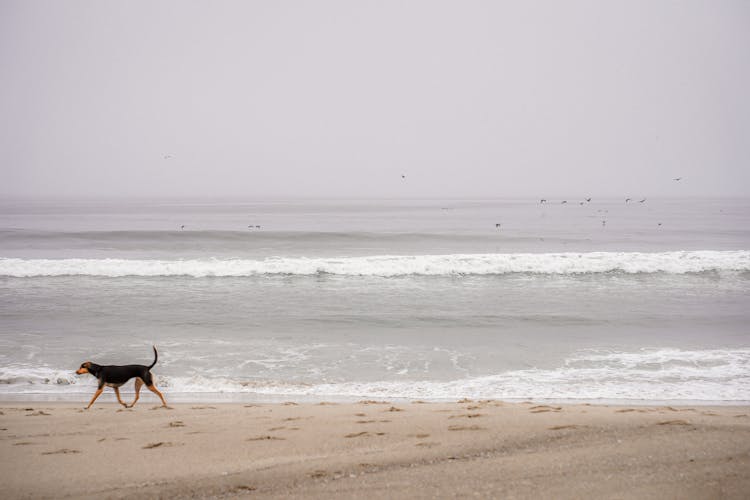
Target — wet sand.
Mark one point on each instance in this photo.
(373, 449)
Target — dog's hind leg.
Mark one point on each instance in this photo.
(153, 389)
(138, 384)
(117, 392)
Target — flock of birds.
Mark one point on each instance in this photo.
(497, 225)
(588, 200)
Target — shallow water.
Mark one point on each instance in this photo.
(419, 299)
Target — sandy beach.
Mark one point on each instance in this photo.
(374, 449)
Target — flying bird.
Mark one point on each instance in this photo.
(563, 202)
(677, 179)
(498, 226)
(628, 200)
(641, 201)
(588, 199)
(542, 201)
(182, 227)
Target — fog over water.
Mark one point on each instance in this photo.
(342, 99)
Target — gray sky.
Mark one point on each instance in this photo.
(340, 98)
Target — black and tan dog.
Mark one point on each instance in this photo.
(114, 376)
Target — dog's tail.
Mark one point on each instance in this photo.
(156, 357)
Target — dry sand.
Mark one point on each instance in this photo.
(374, 450)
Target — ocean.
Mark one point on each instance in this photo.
(512, 299)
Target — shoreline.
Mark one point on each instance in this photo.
(256, 398)
(370, 448)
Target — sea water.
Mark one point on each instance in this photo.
(604, 300)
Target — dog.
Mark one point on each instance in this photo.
(114, 376)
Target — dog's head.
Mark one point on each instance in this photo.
(84, 368)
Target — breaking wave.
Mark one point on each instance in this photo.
(677, 262)
(715, 375)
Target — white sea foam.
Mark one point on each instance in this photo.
(657, 375)
(678, 262)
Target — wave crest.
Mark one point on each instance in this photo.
(679, 262)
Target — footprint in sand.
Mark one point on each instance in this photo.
(673, 422)
(39, 413)
(427, 444)
(283, 427)
(22, 443)
(357, 434)
(363, 434)
(202, 407)
(265, 438)
(544, 408)
(64, 451)
(160, 444)
(177, 423)
(365, 421)
(420, 436)
(360, 414)
(316, 474)
(393, 408)
(469, 415)
(465, 428)
(373, 402)
(561, 427)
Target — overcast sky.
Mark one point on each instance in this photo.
(342, 98)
